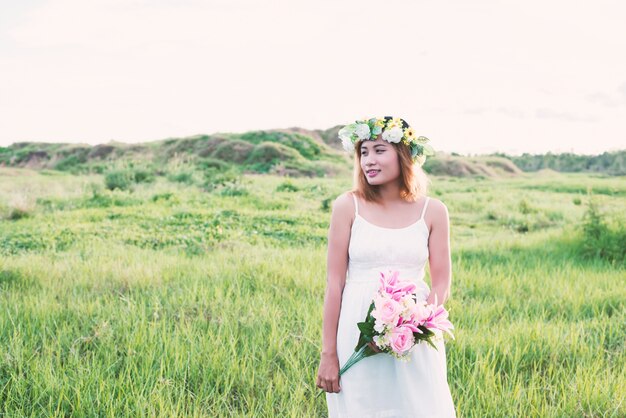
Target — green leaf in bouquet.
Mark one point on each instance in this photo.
(426, 336)
(366, 328)
(363, 340)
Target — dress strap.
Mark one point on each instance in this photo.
(356, 205)
(425, 206)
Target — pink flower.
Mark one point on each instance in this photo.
(420, 313)
(402, 338)
(386, 309)
(438, 319)
(394, 287)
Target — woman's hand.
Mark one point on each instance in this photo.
(374, 347)
(328, 373)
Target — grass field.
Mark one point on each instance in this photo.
(174, 301)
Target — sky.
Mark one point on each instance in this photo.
(473, 76)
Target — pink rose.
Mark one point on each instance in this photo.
(402, 339)
(386, 310)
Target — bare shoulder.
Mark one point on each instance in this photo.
(437, 206)
(343, 206)
(437, 211)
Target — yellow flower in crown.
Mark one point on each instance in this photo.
(409, 134)
(397, 121)
(392, 124)
(380, 122)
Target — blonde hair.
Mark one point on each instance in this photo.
(413, 180)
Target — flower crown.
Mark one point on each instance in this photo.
(393, 130)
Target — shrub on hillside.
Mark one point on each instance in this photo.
(142, 175)
(302, 144)
(267, 154)
(123, 179)
(213, 164)
(287, 186)
(118, 179)
(601, 237)
(70, 164)
(100, 151)
(185, 177)
(235, 151)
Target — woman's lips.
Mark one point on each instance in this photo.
(372, 173)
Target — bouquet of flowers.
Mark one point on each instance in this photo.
(396, 321)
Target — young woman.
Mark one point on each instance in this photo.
(387, 222)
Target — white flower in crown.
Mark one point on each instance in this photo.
(393, 135)
(363, 131)
(347, 144)
(349, 134)
(345, 134)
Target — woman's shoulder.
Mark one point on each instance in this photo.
(436, 204)
(345, 201)
(437, 208)
(344, 207)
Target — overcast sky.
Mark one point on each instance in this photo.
(473, 76)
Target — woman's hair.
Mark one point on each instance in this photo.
(413, 180)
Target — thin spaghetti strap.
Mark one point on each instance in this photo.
(425, 206)
(356, 205)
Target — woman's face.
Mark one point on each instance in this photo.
(379, 161)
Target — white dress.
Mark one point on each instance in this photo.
(382, 386)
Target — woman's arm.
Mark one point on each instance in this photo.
(439, 253)
(337, 264)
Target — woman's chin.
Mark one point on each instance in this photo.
(375, 181)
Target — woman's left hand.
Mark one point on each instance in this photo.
(374, 347)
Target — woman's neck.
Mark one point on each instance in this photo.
(389, 193)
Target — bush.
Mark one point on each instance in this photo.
(119, 179)
(602, 238)
(235, 151)
(181, 177)
(123, 179)
(141, 175)
(327, 204)
(287, 186)
(213, 163)
(68, 164)
(303, 145)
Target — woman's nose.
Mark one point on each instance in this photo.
(369, 161)
(369, 158)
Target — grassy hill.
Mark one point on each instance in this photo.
(292, 152)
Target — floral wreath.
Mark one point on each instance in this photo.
(393, 129)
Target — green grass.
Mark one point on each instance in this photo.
(173, 301)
